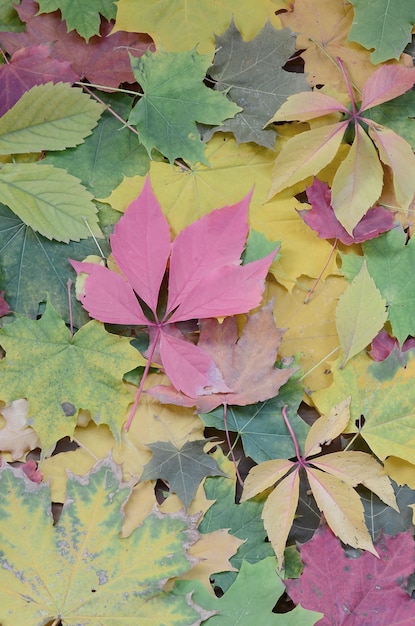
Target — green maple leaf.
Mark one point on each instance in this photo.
(32, 267)
(383, 25)
(250, 599)
(252, 75)
(390, 262)
(84, 17)
(261, 426)
(81, 571)
(59, 374)
(182, 468)
(174, 99)
(106, 156)
(243, 521)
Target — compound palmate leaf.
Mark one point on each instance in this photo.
(60, 374)
(91, 575)
(332, 478)
(49, 200)
(48, 117)
(174, 99)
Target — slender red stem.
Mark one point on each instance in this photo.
(349, 88)
(228, 441)
(293, 437)
(143, 379)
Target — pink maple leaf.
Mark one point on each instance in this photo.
(383, 344)
(356, 592)
(322, 218)
(205, 279)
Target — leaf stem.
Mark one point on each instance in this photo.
(115, 89)
(293, 437)
(228, 441)
(349, 88)
(334, 61)
(69, 287)
(316, 282)
(143, 379)
(319, 363)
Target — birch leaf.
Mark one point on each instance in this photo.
(48, 117)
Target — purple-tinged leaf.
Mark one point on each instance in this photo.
(387, 83)
(322, 219)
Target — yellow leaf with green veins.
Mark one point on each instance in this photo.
(59, 374)
(81, 571)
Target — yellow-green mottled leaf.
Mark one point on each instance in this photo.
(81, 571)
(360, 314)
(357, 183)
(48, 117)
(49, 200)
(383, 394)
(60, 374)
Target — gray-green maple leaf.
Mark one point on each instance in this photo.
(182, 468)
(59, 374)
(174, 99)
(253, 76)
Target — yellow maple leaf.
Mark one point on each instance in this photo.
(323, 35)
(187, 195)
(179, 25)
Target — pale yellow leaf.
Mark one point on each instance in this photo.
(401, 471)
(17, 437)
(327, 428)
(342, 509)
(395, 152)
(357, 183)
(305, 155)
(352, 467)
(95, 441)
(213, 551)
(138, 506)
(263, 476)
(382, 487)
(278, 513)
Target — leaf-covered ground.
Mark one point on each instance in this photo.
(207, 313)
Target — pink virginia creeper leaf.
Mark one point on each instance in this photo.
(205, 280)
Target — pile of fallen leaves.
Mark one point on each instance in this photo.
(208, 313)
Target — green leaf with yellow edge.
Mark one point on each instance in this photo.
(235, 171)
(48, 117)
(382, 398)
(60, 374)
(180, 25)
(49, 200)
(90, 574)
(84, 17)
(382, 26)
(360, 314)
(174, 99)
(250, 599)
